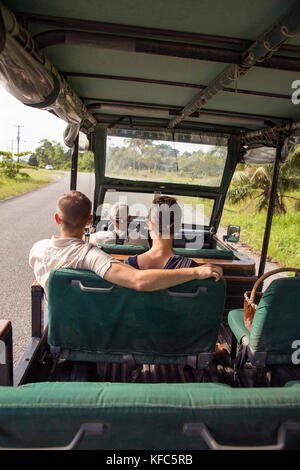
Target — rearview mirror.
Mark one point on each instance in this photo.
(233, 233)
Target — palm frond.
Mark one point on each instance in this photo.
(239, 193)
(262, 204)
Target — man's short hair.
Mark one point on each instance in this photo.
(119, 210)
(74, 209)
(165, 214)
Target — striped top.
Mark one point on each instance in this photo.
(174, 262)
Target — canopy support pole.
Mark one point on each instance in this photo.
(99, 149)
(276, 168)
(74, 165)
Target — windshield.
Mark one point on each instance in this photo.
(194, 210)
(165, 161)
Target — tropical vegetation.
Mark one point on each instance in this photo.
(160, 161)
(54, 154)
(252, 184)
(246, 205)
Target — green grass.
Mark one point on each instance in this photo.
(163, 177)
(13, 186)
(284, 245)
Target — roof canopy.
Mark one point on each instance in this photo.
(188, 67)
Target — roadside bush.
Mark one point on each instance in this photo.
(9, 168)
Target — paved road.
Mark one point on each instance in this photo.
(24, 220)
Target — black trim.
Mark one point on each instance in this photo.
(2, 33)
(6, 369)
(145, 32)
(51, 98)
(153, 46)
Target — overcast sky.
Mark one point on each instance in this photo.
(37, 125)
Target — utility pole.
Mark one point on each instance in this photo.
(18, 138)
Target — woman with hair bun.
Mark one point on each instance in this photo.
(164, 221)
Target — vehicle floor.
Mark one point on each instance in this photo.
(221, 370)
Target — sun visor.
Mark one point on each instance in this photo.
(84, 143)
(176, 135)
(259, 156)
(267, 155)
(26, 73)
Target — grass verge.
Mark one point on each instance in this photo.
(284, 245)
(13, 186)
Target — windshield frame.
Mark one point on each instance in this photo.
(102, 182)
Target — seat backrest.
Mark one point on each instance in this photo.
(276, 323)
(139, 416)
(114, 248)
(98, 321)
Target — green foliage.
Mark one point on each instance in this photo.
(284, 245)
(53, 153)
(86, 162)
(9, 168)
(140, 157)
(253, 183)
(33, 161)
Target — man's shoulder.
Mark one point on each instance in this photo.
(37, 250)
(102, 236)
(41, 243)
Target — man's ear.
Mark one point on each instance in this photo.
(90, 219)
(57, 219)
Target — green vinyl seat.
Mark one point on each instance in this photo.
(145, 416)
(131, 250)
(93, 320)
(276, 324)
(114, 248)
(212, 253)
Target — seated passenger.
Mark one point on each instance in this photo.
(70, 251)
(118, 230)
(164, 220)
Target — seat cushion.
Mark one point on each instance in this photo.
(157, 327)
(237, 325)
(276, 322)
(143, 416)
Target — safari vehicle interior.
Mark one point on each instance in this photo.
(119, 369)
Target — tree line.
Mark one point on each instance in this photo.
(144, 155)
(52, 153)
(251, 184)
